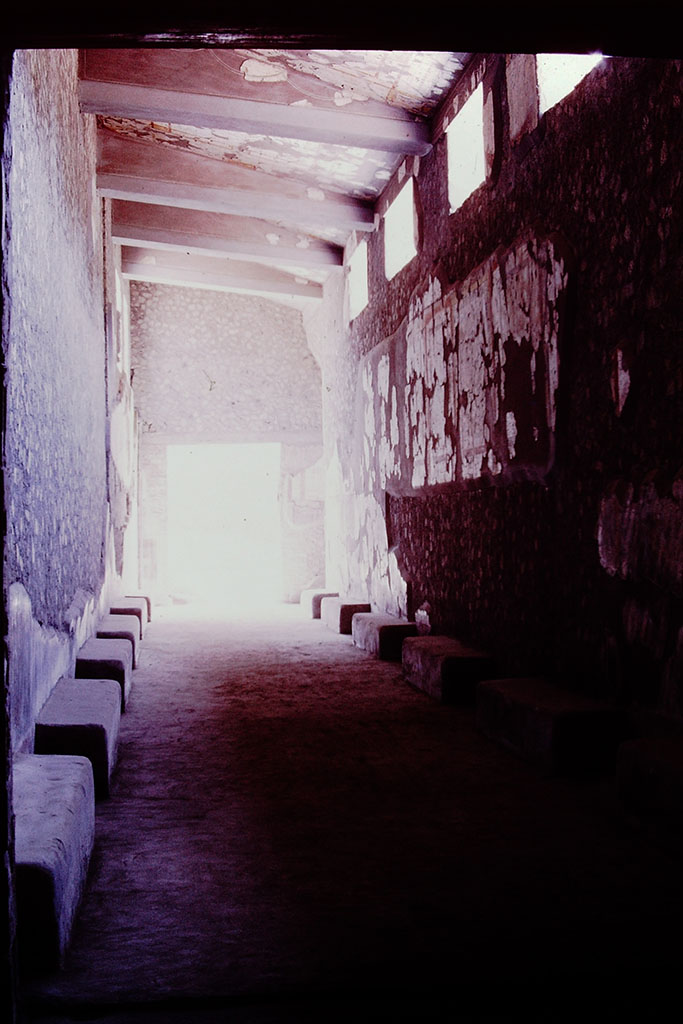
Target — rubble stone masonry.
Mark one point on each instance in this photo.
(503, 420)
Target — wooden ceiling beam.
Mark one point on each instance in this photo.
(210, 272)
(210, 234)
(254, 117)
(166, 175)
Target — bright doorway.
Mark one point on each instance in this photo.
(224, 541)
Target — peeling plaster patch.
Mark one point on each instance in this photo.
(263, 71)
(273, 238)
(640, 535)
(621, 381)
(316, 194)
(429, 447)
(303, 243)
(511, 429)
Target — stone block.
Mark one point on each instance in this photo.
(131, 606)
(54, 805)
(381, 635)
(560, 731)
(338, 614)
(107, 659)
(311, 600)
(82, 716)
(141, 597)
(445, 668)
(121, 627)
(649, 778)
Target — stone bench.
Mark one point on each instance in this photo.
(107, 659)
(649, 779)
(445, 668)
(560, 731)
(54, 806)
(338, 614)
(310, 600)
(82, 716)
(141, 597)
(121, 627)
(131, 606)
(381, 635)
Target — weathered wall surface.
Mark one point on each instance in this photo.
(213, 367)
(502, 422)
(56, 487)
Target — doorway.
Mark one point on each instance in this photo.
(224, 538)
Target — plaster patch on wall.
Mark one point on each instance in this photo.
(477, 364)
(621, 381)
(640, 534)
(430, 447)
(511, 429)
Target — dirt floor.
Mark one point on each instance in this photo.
(295, 833)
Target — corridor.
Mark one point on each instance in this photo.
(294, 833)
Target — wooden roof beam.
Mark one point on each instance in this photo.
(210, 272)
(389, 134)
(163, 175)
(209, 234)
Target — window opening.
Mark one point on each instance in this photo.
(558, 74)
(465, 147)
(358, 280)
(399, 231)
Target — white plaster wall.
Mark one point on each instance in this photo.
(216, 367)
(55, 559)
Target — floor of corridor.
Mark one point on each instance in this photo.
(296, 833)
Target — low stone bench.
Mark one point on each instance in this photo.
(131, 606)
(338, 615)
(381, 635)
(82, 716)
(310, 600)
(54, 806)
(107, 659)
(141, 597)
(560, 731)
(649, 779)
(445, 668)
(121, 627)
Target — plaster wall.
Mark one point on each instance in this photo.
(215, 367)
(502, 421)
(55, 559)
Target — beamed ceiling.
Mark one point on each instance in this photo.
(248, 169)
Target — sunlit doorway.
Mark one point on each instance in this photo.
(224, 542)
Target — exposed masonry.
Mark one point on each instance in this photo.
(503, 417)
(434, 405)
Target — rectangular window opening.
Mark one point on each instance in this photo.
(558, 74)
(465, 142)
(399, 231)
(358, 280)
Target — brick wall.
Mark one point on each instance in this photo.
(502, 422)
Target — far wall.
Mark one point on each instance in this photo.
(216, 367)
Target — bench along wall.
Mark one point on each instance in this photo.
(502, 420)
(213, 367)
(59, 558)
